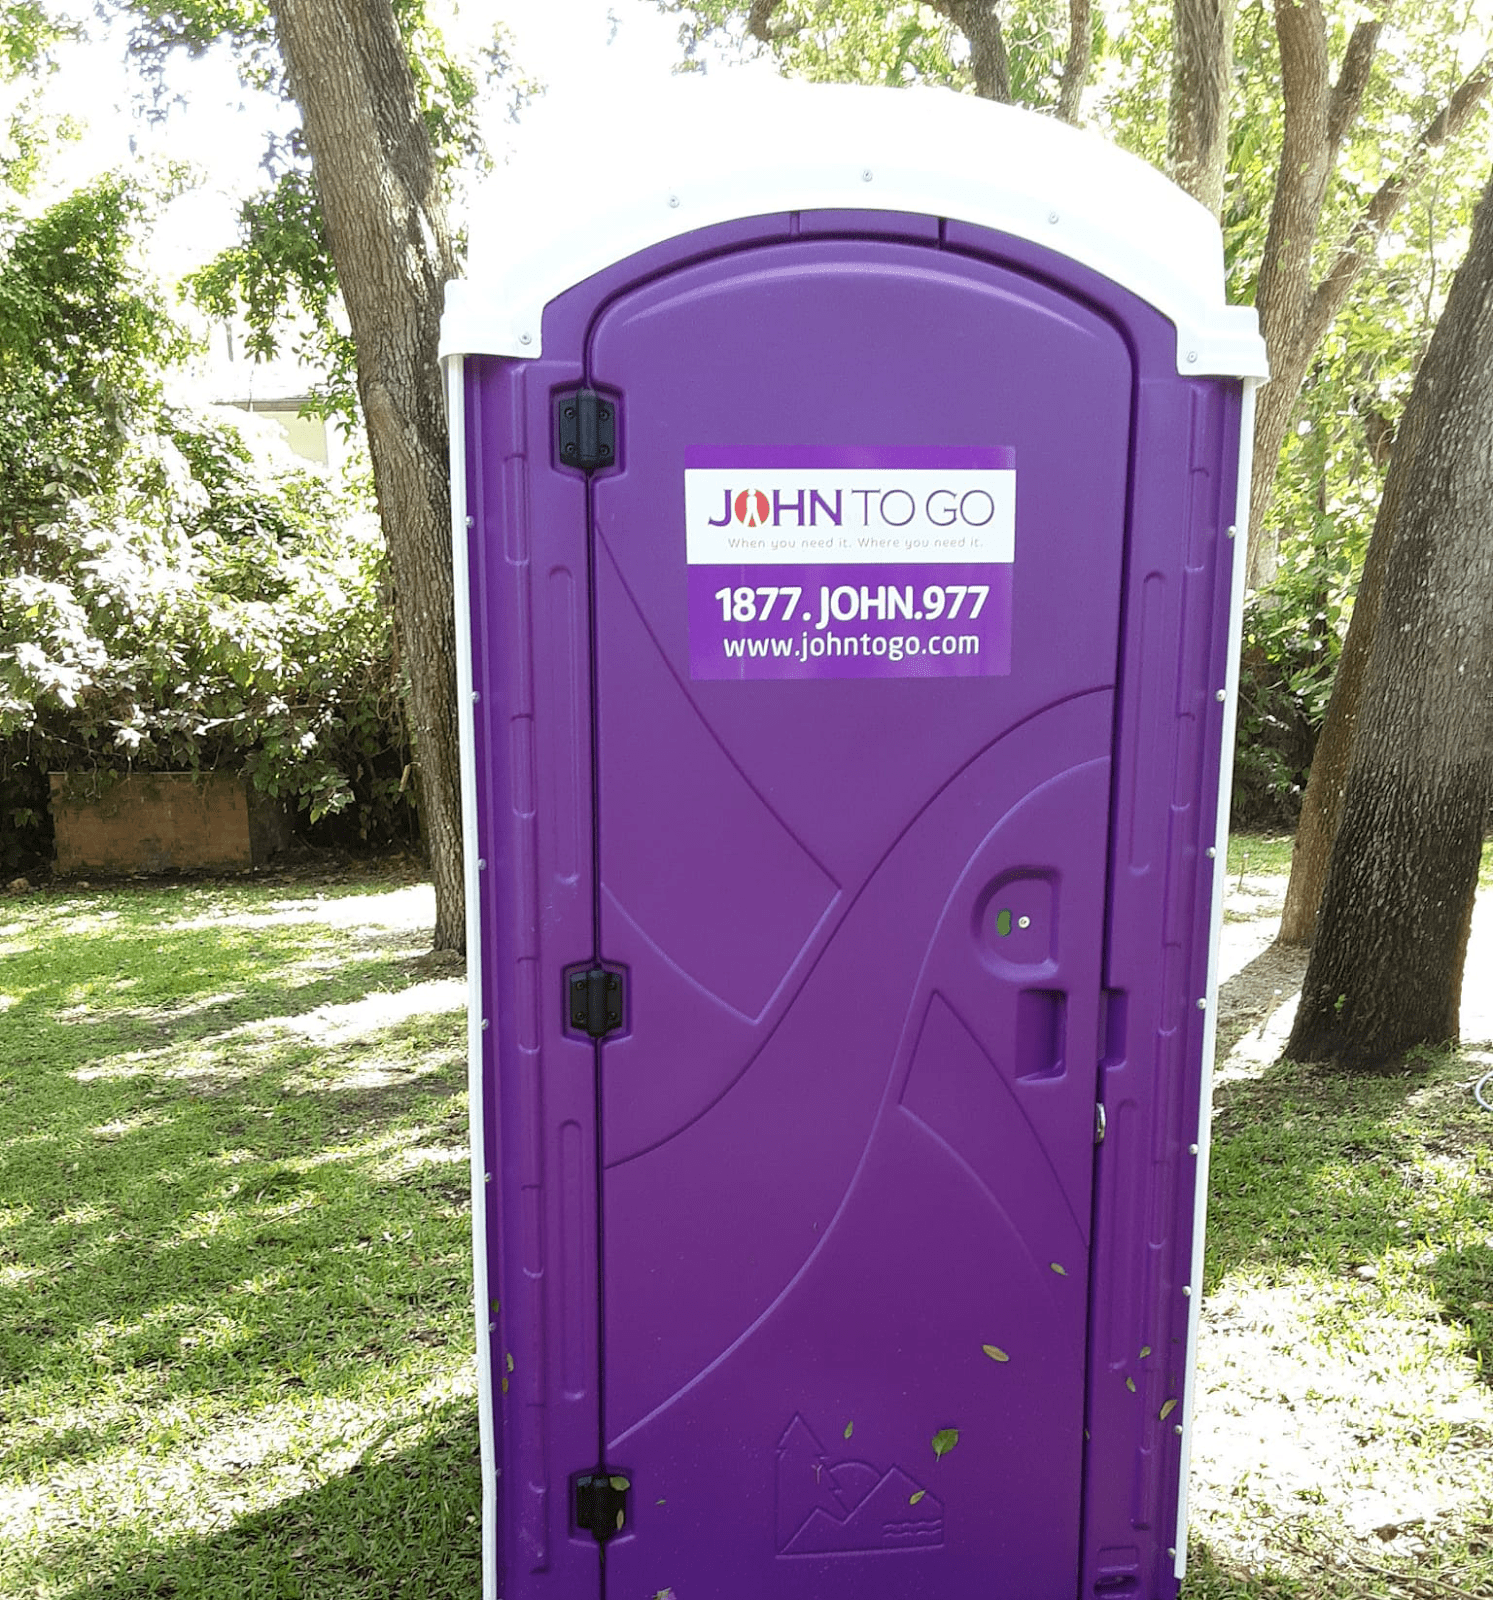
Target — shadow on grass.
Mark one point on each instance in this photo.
(239, 1239)
(1311, 1168)
(190, 1218)
(1212, 1577)
(404, 1525)
(192, 984)
(1464, 1287)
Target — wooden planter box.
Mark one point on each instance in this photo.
(160, 822)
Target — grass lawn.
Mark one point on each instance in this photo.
(235, 1337)
(235, 1343)
(1271, 853)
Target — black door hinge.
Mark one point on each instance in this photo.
(599, 1504)
(595, 1000)
(585, 429)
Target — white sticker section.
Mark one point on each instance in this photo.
(761, 517)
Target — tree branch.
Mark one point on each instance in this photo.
(979, 21)
(1363, 237)
(1076, 63)
(1197, 134)
(1305, 163)
(1352, 80)
(759, 22)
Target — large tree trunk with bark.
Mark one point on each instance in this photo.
(979, 21)
(1386, 968)
(381, 201)
(1322, 804)
(1198, 128)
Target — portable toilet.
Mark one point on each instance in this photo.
(847, 485)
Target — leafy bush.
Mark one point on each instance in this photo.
(1286, 668)
(174, 593)
(215, 609)
(1326, 497)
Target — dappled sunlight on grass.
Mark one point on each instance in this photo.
(399, 909)
(1321, 1403)
(237, 1461)
(235, 1272)
(1344, 1401)
(330, 1024)
(178, 1012)
(426, 1155)
(120, 1126)
(250, 1047)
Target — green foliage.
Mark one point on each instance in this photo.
(1131, 79)
(172, 596)
(29, 32)
(163, 27)
(83, 341)
(854, 41)
(235, 1310)
(217, 608)
(892, 42)
(280, 274)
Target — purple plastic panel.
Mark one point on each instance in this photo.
(887, 940)
(531, 674)
(803, 1230)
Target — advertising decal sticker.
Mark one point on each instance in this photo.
(807, 562)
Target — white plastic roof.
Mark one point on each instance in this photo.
(597, 182)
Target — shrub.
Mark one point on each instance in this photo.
(175, 592)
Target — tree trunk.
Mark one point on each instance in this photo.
(1386, 968)
(381, 200)
(979, 21)
(1285, 279)
(1295, 313)
(1198, 129)
(1322, 804)
(1077, 60)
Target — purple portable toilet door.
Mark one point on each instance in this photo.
(853, 726)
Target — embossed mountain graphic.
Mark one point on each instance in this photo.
(846, 1507)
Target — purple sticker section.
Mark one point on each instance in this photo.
(918, 620)
(798, 457)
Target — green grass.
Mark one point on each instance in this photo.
(235, 1337)
(1259, 853)
(1345, 1433)
(235, 1340)
(1264, 853)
